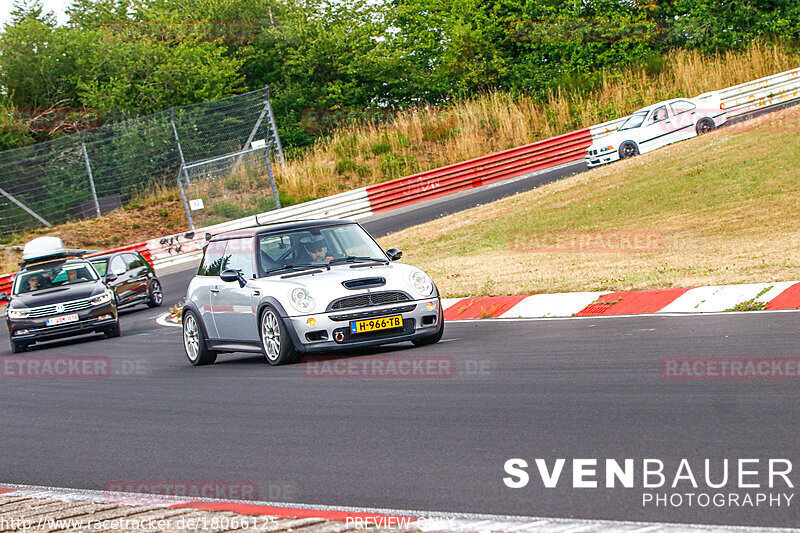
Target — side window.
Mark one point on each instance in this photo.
(659, 114)
(240, 254)
(682, 106)
(117, 265)
(134, 261)
(213, 259)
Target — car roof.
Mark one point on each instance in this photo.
(69, 261)
(103, 257)
(279, 226)
(659, 104)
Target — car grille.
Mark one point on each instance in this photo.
(69, 307)
(375, 312)
(592, 152)
(369, 300)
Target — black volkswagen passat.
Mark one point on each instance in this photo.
(59, 298)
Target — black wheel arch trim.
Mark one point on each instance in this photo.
(283, 315)
(191, 307)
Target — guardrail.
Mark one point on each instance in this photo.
(479, 171)
(180, 248)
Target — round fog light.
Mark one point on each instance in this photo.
(311, 322)
(430, 306)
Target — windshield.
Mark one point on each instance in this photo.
(634, 121)
(317, 246)
(100, 266)
(53, 275)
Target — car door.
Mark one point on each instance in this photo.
(205, 286)
(234, 306)
(685, 119)
(122, 284)
(656, 130)
(138, 275)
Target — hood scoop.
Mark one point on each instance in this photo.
(364, 283)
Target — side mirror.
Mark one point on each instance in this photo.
(232, 275)
(394, 254)
(3, 296)
(111, 277)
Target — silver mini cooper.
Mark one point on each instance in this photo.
(300, 287)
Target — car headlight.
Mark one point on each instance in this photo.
(103, 298)
(606, 148)
(422, 283)
(301, 300)
(18, 313)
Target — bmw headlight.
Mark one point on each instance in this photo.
(18, 313)
(103, 298)
(301, 300)
(422, 283)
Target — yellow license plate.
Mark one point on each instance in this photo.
(376, 324)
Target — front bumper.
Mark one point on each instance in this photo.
(30, 330)
(601, 159)
(331, 331)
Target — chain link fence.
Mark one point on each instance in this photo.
(90, 173)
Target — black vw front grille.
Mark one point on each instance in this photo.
(369, 300)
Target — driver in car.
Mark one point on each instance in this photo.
(316, 248)
(34, 283)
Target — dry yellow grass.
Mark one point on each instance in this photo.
(427, 138)
(723, 209)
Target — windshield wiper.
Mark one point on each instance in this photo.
(357, 259)
(293, 267)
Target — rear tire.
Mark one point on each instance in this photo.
(705, 125)
(18, 348)
(113, 332)
(275, 341)
(436, 337)
(155, 297)
(193, 342)
(628, 149)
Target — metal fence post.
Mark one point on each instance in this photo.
(183, 199)
(26, 208)
(89, 172)
(180, 149)
(272, 178)
(274, 128)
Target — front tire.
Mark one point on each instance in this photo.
(705, 125)
(193, 342)
(275, 341)
(113, 331)
(155, 297)
(628, 149)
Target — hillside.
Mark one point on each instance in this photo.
(422, 139)
(717, 209)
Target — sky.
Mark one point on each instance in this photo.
(56, 6)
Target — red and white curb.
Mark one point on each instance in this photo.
(749, 297)
(30, 508)
(784, 295)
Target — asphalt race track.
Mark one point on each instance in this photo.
(586, 388)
